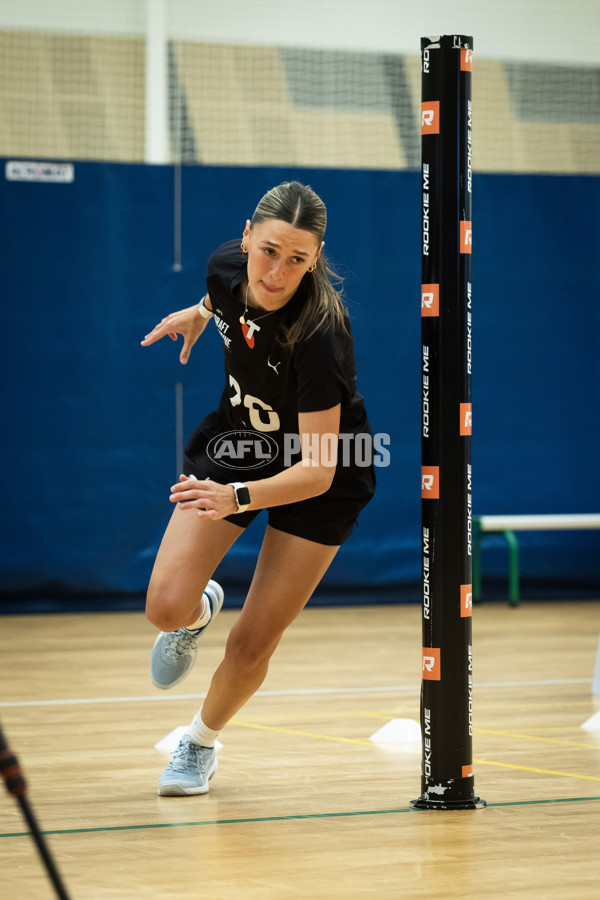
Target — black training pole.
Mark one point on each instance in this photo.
(16, 785)
(446, 692)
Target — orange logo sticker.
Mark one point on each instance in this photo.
(432, 670)
(466, 60)
(466, 237)
(430, 117)
(466, 600)
(467, 771)
(430, 299)
(430, 482)
(466, 418)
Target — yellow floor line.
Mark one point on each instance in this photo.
(324, 737)
(388, 714)
(485, 762)
(545, 704)
(343, 740)
(531, 737)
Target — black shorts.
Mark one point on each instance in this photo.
(326, 519)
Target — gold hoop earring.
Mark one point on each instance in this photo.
(312, 268)
(244, 248)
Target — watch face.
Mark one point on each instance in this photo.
(243, 496)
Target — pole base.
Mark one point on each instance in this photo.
(472, 803)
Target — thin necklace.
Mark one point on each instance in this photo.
(243, 315)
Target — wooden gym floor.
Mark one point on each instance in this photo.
(304, 804)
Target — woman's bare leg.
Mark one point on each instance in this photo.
(288, 570)
(190, 551)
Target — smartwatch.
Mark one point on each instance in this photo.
(204, 311)
(241, 494)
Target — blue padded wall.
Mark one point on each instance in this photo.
(88, 452)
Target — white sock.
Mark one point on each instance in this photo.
(204, 616)
(201, 733)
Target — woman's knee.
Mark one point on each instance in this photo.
(248, 650)
(168, 608)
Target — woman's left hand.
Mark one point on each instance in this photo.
(210, 499)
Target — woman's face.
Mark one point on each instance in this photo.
(279, 256)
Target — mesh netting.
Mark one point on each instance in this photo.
(66, 95)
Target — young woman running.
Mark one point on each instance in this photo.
(292, 422)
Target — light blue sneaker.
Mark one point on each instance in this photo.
(189, 771)
(175, 652)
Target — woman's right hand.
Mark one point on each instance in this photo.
(187, 322)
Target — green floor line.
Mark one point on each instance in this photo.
(296, 818)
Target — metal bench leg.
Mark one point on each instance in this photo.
(476, 562)
(513, 567)
(513, 564)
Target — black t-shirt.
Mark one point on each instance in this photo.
(267, 384)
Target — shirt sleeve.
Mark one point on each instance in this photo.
(319, 364)
(226, 262)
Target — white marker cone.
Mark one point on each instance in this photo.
(398, 731)
(592, 724)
